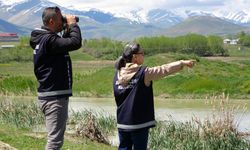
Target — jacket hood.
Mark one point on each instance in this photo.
(126, 73)
(36, 36)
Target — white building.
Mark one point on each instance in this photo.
(231, 42)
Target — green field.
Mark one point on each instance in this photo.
(24, 139)
(93, 77)
(17, 121)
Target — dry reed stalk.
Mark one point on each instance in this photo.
(223, 120)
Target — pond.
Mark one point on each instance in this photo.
(176, 109)
(181, 110)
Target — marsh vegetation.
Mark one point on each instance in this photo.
(93, 70)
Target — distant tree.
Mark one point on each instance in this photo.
(215, 44)
(24, 41)
(194, 43)
(245, 40)
(160, 44)
(190, 44)
(241, 35)
(103, 48)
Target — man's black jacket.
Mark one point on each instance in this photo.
(52, 63)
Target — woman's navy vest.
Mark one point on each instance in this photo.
(135, 103)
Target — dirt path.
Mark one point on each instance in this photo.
(227, 59)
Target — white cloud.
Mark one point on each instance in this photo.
(236, 5)
(128, 5)
(121, 6)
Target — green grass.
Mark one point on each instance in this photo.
(20, 114)
(207, 77)
(19, 54)
(235, 52)
(79, 55)
(17, 120)
(23, 139)
(18, 85)
(177, 135)
(22, 52)
(16, 69)
(94, 77)
(96, 84)
(17, 138)
(218, 132)
(210, 77)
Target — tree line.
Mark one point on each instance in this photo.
(190, 44)
(244, 39)
(110, 49)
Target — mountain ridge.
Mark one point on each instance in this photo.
(205, 25)
(97, 24)
(11, 28)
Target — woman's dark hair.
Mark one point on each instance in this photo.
(129, 50)
(48, 13)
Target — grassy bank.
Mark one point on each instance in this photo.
(93, 77)
(25, 139)
(17, 120)
(218, 132)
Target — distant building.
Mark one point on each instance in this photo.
(9, 37)
(234, 41)
(231, 42)
(226, 41)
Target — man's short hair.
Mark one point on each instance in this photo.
(48, 13)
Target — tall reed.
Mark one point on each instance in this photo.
(217, 132)
(20, 114)
(105, 122)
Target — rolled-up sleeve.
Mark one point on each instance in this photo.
(158, 72)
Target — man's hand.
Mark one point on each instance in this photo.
(70, 19)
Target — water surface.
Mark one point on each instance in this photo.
(178, 109)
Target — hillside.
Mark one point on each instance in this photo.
(128, 26)
(229, 75)
(205, 25)
(11, 28)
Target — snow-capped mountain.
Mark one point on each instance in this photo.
(205, 25)
(135, 16)
(237, 17)
(23, 12)
(163, 18)
(158, 17)
(121, 25)
(11, 2)
(241, 17)
(194, 13)
(8, 27)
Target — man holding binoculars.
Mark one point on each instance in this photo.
(53, 69)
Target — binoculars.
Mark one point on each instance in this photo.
(65, 19)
